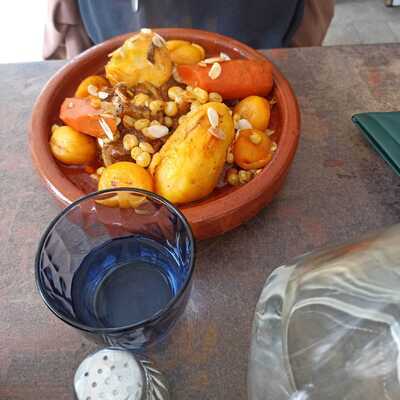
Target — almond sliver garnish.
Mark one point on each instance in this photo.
(213, 60)
(155, 131)
(224, 56)
(213, 117)
(269, 132)
(216, 132)
(92, 90)
(243, 124)
(215, 71)
(106, 129)
(157, 40)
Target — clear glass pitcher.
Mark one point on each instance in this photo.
(327, 325)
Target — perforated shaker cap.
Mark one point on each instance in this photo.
(116, 374)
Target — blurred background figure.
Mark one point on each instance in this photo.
(74, 25)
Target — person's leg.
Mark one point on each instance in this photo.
(316, 20)
(65, 36)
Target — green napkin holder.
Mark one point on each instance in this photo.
(382, 130)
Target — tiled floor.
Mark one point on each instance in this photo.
(363, 21)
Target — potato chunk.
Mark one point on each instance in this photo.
(188, 166)
(142, 58)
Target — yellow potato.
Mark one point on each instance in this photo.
(175, 43)
(188, 166)
(140, 60)
(184, 52)
(252, 149)
(256, 110)
(124, 174)
(72, 147)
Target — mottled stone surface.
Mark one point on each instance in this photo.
(337, 188)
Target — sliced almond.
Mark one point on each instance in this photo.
(269, 132)
(102, 95)
(146, 31)
(215, 71)
(106, 129)
(224, 56)
(158, 41)
(274, 146)
(216, 132)
(202, 64)
(243, 124)
(155, 131)
(213, 117)
(212, 60)
(92, 90)
(121, 95)
(176, 76)
(100, 142)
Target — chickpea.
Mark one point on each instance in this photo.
(168, 121)
(130, 141)
(250, 155)
(156, 106)
(201, 95)
(232, 176)
(141, 124)
(141, 100)
(154, 122)
(171, 109)
(256, 110)
(143, 159)
(255, 138)
(244, 176)
(213, 96)
(72, 147)
(147, 147)
(174, 92)
(135, 151)
(128, 121)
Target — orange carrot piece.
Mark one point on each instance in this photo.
(82, 116)
(238, 79)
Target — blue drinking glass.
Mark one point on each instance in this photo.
(117, 265)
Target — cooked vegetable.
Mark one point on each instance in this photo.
(72, 147)
(256, 110)
(238, 78)
(184, 52)
(82, 116)
(162, 122)
(93, 82)
(142, 58)
(252, 149)
(125, 174)
(188, 166)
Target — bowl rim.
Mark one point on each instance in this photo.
(141, 324)
(199, 212)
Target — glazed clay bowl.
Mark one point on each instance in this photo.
(223, 210)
